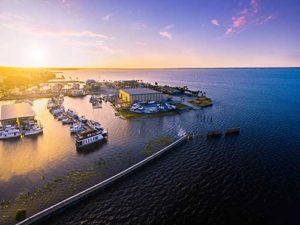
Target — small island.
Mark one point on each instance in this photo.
(201, 102)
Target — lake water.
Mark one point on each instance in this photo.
(249, 179)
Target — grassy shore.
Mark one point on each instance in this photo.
(201, 102)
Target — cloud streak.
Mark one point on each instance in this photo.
(21, 24)
(215, 22)
(166, 34)
(169, 27)
(107, 17)
(246, 16)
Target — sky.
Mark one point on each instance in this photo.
(150, 34)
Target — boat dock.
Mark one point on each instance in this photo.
(86, 131)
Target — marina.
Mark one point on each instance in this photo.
(18, 120)
(37, 170)
(86, 132)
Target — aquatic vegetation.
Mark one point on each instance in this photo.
(4, 204)
(153, 146)
(20, 215)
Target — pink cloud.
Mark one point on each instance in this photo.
(254, 5)
(239, 22)
(215, 22)
(244, 17)
(229, 31)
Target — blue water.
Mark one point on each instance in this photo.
(253, 178)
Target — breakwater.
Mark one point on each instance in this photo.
(59, 207)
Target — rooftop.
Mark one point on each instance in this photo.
(137, 91)
(13, 111)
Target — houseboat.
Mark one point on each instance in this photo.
(88, 138)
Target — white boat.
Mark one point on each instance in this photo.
(9, 133)
(97, 104)
(83, 119)
(88, 138)
(94, 125)
(57, 111)
(34, 130)
(104, 133)
(60, 117)
(71, 112)
(76, 128)
(66, 120)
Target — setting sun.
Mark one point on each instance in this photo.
(37, 55)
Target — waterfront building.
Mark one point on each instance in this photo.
(132, 95)
(14, 113)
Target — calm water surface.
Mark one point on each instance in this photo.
(252, 178)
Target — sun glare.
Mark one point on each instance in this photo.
(37, 55)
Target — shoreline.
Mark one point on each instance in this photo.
(53, 190)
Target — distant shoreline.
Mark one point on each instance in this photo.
(162, 68)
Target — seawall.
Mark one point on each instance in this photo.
(60, 206)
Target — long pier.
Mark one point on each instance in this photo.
(59, 207)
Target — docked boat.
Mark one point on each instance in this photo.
(60, 117)
(97, 105)
(66, 120)
(76, 128)
(72, 113)
(104, 133)
(34, 130)
(95, 125)
(83, 119)
(57, 111)
(10, 132)
(93, 98)
(88, 138)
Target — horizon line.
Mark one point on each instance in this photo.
(152, 68)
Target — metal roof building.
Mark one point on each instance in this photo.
(16, 111)
(131, 95)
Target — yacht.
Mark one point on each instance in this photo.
(34, 130)
(10, 132)
(88, 138)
